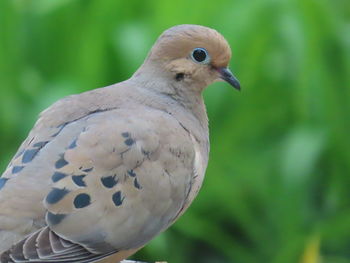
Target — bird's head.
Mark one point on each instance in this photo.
(193, 54)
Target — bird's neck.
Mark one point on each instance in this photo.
(173, 92)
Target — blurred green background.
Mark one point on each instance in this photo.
(278, 182)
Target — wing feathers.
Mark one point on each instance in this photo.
(17, 252)
(45, 246)
(29, 248)
(43, 243)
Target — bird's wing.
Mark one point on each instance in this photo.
(117, 178)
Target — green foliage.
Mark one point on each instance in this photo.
(277, 185)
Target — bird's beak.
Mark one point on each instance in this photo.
(227, 75)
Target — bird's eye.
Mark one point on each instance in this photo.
(200, 55)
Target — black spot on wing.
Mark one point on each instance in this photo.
(126, 134)
(79, 180)
(129, 142)
(29, 155)
(17, 169)
(136, 184)
(57, 176)
(60, 128)
(54, 219)
(109, 181)
(131, 173)
(73, 144)
(117, 198)
(82, 200)
(40, 144)
(3, 181)
(56, 195)
(144, 152)
(61, 163)
(88, 170)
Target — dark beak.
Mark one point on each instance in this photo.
(227, 75)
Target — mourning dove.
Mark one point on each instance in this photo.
(103, 172)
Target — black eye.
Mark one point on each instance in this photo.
(200, 55)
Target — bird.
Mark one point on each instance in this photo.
(103, 172)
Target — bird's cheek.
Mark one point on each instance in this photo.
(208, 75)
(180, 66)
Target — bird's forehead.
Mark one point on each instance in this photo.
(179, 41)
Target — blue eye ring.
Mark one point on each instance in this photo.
(200, 55)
